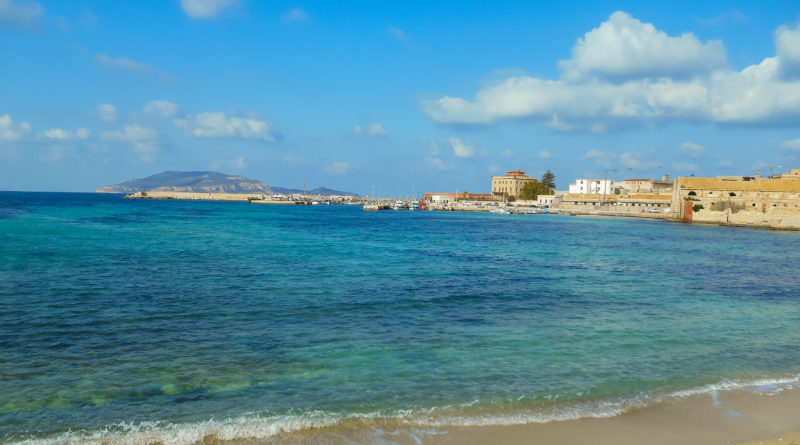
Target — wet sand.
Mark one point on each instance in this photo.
(732, 417)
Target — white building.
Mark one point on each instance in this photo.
(592, 186)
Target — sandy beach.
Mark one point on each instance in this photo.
(724, 418)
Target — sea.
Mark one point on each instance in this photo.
(179, 322)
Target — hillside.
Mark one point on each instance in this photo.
(208, 182)
(198, 182)
(319, 191)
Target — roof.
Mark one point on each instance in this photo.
(648, 180)
(763, 185)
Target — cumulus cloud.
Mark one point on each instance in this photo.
(643, 75)
(461, 149)
(624, 161)
(338, 168)
(216, 124)
(684, 166)
(544, 154)
(143, 140)
(237, 163)
(436, 163)
(57, 133)
(692, 149)
(787, 45)
(161, 108)
(64, 135)
(793, 144)
(205, 9)
(294, 16)
(623, 47)
(11, 131)
(398, 33)
(18, 14)
(376, 129)
(107, 112)
(131, 66)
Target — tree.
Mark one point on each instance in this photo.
(549, 180)
(532, 189)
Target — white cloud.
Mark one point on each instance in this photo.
(54, 153)
(161, 108)
(57, 133)
(620, 162)
(294, 16)
(684, 166)
(216, 124)
(107, 112)
(131, 66)
(624, 47)
(143, 140)
(131, 133)
(460, 149)
(692, 149)
(338, 168)
(397, 32)
(237, 163)
(787, 44)
(10, 131)
(205, 9)
(434, 147)
(356, 129)
(376, 129)
(82, 133)
(436, 163)
(544, 154)
(793, 144)
(625, 86)
(22, 14)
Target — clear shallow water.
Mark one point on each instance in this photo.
(115, 314)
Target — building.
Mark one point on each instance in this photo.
(638, 204)
(740, 200)
(793, 175)
(646, 185)
(592, 187)
(509, 184)
(453, 197)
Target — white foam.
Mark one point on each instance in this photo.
(255, 426)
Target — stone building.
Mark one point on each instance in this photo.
(509, 184)
(743, 200)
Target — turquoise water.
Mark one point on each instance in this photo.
(181, 319)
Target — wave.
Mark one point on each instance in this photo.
(254, 427)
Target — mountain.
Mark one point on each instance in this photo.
(198, 182)
(320, 191)
(207, 182)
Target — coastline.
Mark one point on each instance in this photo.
(713, 418)
(755, 413)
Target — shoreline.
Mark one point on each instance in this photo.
(761, 412)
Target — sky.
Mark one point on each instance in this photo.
(406, 97)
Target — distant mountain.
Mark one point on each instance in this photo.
(198, 182)
(207, 182)
(321, 191)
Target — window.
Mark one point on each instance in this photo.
(692, 193)
(732, 194)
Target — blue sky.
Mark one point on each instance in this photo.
(429, 96)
